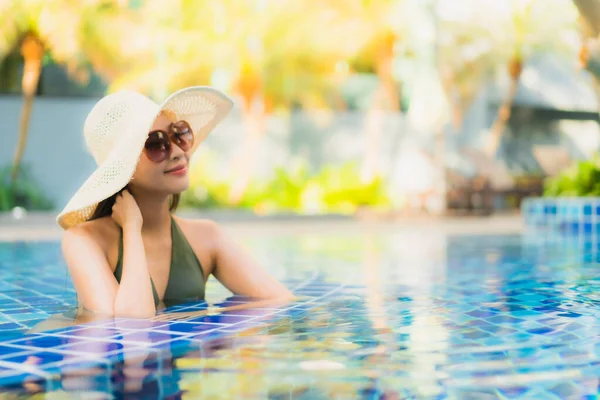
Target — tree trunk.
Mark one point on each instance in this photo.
(243, 165)
(385, 99)
(33, 50)
(250, 88)
(590, 13)
(374, 121)
(515, 69)
(589, 54)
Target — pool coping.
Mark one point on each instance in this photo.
(41, 226)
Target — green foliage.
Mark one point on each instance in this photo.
(333, 189)
(24, 193)
(344, 191)
(581, 179)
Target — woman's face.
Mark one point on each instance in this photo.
(153, 176)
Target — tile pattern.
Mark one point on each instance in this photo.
(34, 284)
(573, 215)
(103, 344)
(491, 317)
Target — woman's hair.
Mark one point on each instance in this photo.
(104, 208)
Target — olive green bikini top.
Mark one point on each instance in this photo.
(186, 277)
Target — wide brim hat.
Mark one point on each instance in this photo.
(116, 130)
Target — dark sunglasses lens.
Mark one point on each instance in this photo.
(183, 135)
(157, 146)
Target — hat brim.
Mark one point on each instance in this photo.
(202, 107)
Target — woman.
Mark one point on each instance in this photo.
(127, 254)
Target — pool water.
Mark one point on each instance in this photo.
(379, 315)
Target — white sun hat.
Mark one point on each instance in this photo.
(116, 130)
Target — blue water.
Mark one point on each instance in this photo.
(380, 315)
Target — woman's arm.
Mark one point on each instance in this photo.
(239, 272)
(134, 297)
(96, 286)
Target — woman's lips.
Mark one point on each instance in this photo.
(178, 172)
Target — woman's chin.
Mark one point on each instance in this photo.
(179, 187)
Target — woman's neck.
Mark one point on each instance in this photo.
(155, 212)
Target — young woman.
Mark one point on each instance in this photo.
(127, 253)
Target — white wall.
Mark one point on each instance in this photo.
(55, 147)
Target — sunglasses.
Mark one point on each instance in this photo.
(158, 144)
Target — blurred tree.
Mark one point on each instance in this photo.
(590, 13)
(380, 22)
(272, 55)
(305, 51)
(465, 63)
(589, 54)
(529, 27)
(76, 34)
(485, 37)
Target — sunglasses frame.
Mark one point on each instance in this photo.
(168, 142)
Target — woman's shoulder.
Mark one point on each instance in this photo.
(201, 230)
(102, 231)
(198, 225)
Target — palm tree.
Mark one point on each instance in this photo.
(523, 30)
(273, 55)
(500, 37)
(464, 61)
(381, 24)
(70, 32)
(303, 45)
(590, 13)
(589, 54)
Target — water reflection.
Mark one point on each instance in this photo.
(302, 354)
(72, 317)
(455, 316)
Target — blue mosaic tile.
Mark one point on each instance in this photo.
(89, 332)
(9, 326)
(185, 327)
(498, 317)
(250, 313)
(136, 324)
(96, 348)
(573, 215)
(149, 336)
(6, 351)
(12, 377)
(38, 358)
(222, 319)
(44, 342)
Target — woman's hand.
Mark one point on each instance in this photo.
(125, 211)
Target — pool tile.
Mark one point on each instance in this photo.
(150, 337)
(38, 358)
(223, 319)
(11, 326)
(7, 350)
(188, 328)
(461, 322)
(14, 377)
(42, 341)
(136, 324)
(98, 348)
(93, 332)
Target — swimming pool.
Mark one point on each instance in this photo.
(397, 314)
